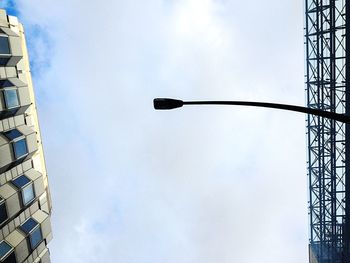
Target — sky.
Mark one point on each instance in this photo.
(201, 184)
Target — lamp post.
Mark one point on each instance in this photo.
(168, 104)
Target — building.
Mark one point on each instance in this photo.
(25, 204)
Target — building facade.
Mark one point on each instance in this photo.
(25, 204)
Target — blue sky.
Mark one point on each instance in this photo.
(130, 184)
(10, 6)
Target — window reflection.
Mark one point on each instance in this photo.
(33, 230)
(20, 148)
(27, 189)
(11, 98)
(4, 45)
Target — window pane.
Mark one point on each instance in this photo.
(6, 83)
(21, 181)
(20, 148)
(28, 194)
(4, 249)
(9, 112)
(10, 259)
(13, 134)
(3, 213)
(3, 61)
(11, 98)
(28, 225)
(36, 238)
(4, 45)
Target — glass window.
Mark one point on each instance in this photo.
(10, 259)
(3, 212)
(19, 144)
(11, 98)
(4, 249)
(4, 45)
(6, 83)
(10, 112)
(13, 134)
(27, 189)
(21, 181)
(28, 194)
(35, 238)
(28, 225)
(33, 230)
(20, 148)
(4, 61)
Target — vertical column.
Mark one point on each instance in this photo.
(346, 231)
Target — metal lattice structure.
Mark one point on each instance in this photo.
(326, 81)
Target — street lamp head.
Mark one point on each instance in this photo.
(167, 104)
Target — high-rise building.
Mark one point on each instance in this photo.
(25, 204)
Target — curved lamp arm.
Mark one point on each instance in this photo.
(168, 104)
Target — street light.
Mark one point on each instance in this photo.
(168, 104)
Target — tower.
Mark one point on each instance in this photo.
(327, 77)
(25, 204)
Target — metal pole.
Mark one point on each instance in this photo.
(166, 104)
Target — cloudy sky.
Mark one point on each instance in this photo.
(200, 184)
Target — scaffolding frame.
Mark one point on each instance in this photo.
(326, 75)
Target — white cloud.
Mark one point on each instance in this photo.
(197, 185)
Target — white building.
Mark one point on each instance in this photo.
(25, 204)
